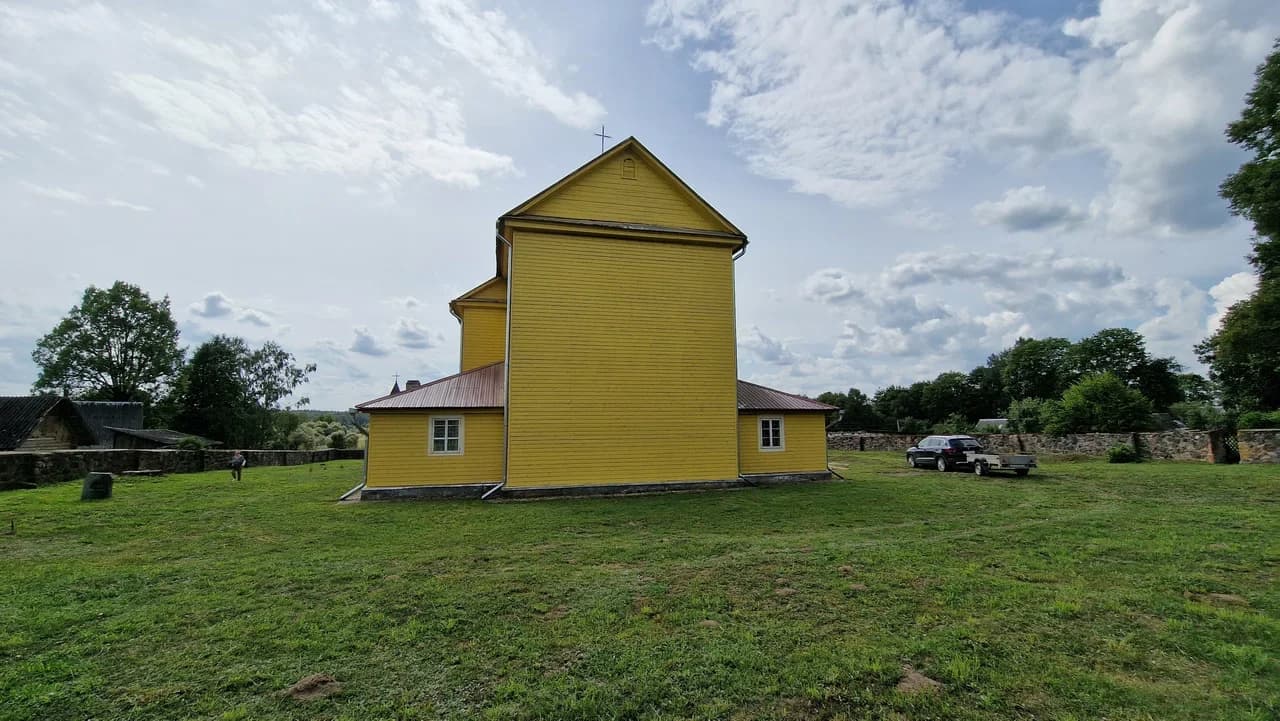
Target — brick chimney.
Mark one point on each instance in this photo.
(412, 386)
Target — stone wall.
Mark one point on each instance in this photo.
(26, 470)
(1259, 445)
(1168, 445)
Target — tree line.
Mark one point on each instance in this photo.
(1105, 382)
(118, 344)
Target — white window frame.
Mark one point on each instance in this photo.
(431, 435)
(782, 434)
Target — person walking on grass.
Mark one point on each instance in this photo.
(237, 463)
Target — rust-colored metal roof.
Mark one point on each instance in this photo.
(483, 387)
(752, 397)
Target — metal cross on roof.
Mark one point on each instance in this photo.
(602, 137)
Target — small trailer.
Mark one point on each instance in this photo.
(986, 463)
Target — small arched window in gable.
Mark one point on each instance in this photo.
(628, 169)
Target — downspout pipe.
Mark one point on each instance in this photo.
(506, 382)
(839, 417)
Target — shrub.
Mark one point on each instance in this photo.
(1102, 404)
(1120, 453)
(1259, 419)
(190, 443)
(1201, 416)
(1030, 415)
(954, 424)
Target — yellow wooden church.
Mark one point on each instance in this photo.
(601, 357)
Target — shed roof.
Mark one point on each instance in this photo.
(485, 387)
(19, 416)
(163, 436)
(753, 397)
(100, 415)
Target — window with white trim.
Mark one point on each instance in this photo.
(771, 438)
(446, 436)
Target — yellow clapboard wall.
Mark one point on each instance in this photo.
(804, 440)
(647, 196)
(484, 335)
(622, 362)
(398, 450)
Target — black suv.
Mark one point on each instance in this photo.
(945, 453)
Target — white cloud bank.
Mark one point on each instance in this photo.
(872, 102)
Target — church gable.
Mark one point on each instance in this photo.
(627, 184)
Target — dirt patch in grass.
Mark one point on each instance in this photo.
(1217, 599)
(556, 613)
(784, 591)
(317, 685)
(913, 682)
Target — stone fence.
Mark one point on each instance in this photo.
(20, 469)
(1256, 446)
(1259, 445)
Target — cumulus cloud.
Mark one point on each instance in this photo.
(70, 196)
(869, 103)
(366, 344)
(254, 317)
(902, 313)
(493, 46)
(276, 95)
(1030, 208)
(412, 334)
(1228, 292)
(765, 348)
(831, 285)
(213, 305)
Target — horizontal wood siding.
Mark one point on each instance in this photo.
(484, 336)
(622, 366)
(651, 198)
(805, 438)
(50, 434)
(398, 452)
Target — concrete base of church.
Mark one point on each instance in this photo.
(776, 479)
(630, 489)
(409, 493)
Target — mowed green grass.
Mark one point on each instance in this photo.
(1076, 593)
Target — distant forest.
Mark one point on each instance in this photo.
(1107, 381)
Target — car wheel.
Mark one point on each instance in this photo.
(911, 461)
(1023, 471)
(980, 468)
(942, 464)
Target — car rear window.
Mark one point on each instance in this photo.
(967, 444)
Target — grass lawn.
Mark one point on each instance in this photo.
(1081, 592)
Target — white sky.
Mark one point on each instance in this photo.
(921, 182)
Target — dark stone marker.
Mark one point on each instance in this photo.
(96, 486)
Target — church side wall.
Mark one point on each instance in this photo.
(398, 452)
(484, 336)
(804, 440)
(622, 365)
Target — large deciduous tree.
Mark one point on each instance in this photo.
(1037, 368)
(116, 345)
(856, 412)
(1122, 352)
(1244, 354)
(231, 393)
